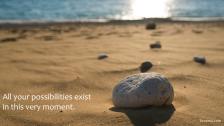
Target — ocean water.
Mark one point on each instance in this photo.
(76, 10)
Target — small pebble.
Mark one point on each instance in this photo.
(200, 59)
(151, 26)
(145, 66)
(156, 45)
(102, 56)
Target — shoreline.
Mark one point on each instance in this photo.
(33, 24)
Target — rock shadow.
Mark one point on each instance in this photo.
(149, 116)
(9, 39)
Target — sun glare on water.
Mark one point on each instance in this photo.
(149, 8)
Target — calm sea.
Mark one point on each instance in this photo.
(65, 10)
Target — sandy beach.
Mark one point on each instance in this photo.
(62, 58)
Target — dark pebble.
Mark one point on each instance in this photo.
(102, 56)
(200, 59)
(156, 45)
(145, 66)
(151, 26)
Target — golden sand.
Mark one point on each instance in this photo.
(63, 59)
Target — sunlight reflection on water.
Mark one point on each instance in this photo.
(91, 10)
(148, 8)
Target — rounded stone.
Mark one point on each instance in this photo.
(151, 26)
(141, 90)
(102, 56)
(200, 59)
(145, 66)
(156, 45)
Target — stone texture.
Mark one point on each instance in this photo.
(144, 89)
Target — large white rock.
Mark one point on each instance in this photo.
(142, 90)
